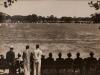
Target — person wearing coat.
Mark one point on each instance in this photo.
(37, 53)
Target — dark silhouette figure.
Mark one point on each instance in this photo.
(90, 64)
(43, 62)
(31, 64)
(50, 61)
(2, 63)
(78, 64)
(69, 63)
(2, 58)
(98, 67)
(59, 64)
(50, 64)
(18, 64)
(43, 65)
(10, 57)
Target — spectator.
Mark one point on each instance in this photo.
(59, 63)
(18, 63)
(37, 60)
(50, 69)
(78, 64)
(43, 64)
(90, 64)
(50, 61)
(26, 59)
(69, 63)
(10, 57)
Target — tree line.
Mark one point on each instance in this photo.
(95, 18)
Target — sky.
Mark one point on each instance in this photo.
(58, 8)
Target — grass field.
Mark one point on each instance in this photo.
(53, 38)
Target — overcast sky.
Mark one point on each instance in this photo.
(78, 8)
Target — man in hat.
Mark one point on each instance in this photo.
(90, 64)
(69, 63)
(10, 57)
(26, 59)
(37, 60)
(78, 64)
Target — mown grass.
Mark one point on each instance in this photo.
(54, 38)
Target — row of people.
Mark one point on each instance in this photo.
(27, 55)
(32, 62)
(84, 66)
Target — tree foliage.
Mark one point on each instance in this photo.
(95, 18)
(41, 19)
(96, 5)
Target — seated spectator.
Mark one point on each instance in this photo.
(2, 63)
(18, 63)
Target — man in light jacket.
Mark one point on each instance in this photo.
(26, 59)
(37, 53)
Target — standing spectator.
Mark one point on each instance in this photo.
(50, 64)
(31, 64)
(37, 60)
(90, 64)
(10, 57)
(59, 64)
(69, 64)
(26, 59)
(78, 64)
(43, 64)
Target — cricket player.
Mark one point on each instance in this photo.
(26, 59)
(37, 53)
